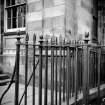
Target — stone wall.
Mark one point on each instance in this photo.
(70, 18)
(49, 20)
(84, 17)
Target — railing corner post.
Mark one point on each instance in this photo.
(85, 70)
(17, 68)
(40, 69)
(99, 76)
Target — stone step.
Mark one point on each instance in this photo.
(4, 76)
(4, 82)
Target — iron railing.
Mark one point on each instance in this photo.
(66, 69)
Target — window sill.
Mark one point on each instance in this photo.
(14, 31)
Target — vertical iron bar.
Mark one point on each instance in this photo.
(40, 70)
(68, 72)
(26, 67)
(85, 74)
(72, 56)
(91, 79)
(99, 68)
(81, 71)
(88, 72)
(81, 68)
(56, 65)
(82, 60)
(60, 69)
(64, 71)
(95, 68)
(92, 57)
(72, 71)
(17, 71)
(52, 72)
(76, 75)
(90, 69)
(46, 73)
(34, 40)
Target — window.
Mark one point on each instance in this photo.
(16, 14)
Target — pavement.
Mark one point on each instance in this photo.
(10, 96)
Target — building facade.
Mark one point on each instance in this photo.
(69, 18)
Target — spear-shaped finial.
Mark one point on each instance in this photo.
(27, 37)
(34, 38)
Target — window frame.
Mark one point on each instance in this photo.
(5, 18)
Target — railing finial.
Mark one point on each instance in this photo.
(27, 37)
(56, 40)
(34, 38)
(41, 39)
(86, 40)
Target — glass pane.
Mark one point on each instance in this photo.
(14, 23)
(9, 23)
(19, 22)
(14, 12)
(8, 2)
(19, 11)
(8, 13)
(24, 21)
(24, 9)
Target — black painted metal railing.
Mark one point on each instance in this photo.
(66, 69)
